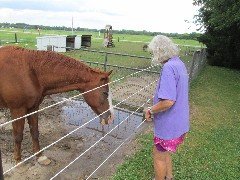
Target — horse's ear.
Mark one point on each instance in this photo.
(110, 72)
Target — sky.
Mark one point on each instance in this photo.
(167, 16)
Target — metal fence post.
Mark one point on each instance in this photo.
(105, 63)
(1, 168)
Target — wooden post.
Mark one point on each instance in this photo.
(16, 38)
(1, 168)
(105, 63)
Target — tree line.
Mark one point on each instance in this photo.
(25, 26)
(221, 21)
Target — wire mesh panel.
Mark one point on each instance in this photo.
(134, 73)
(198, 62)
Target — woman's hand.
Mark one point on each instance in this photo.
(148, 115)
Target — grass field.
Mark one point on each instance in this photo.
(127, 44)
(27, 38)
(211, 148)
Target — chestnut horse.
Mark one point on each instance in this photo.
(26, 76)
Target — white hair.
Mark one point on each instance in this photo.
(162, 49)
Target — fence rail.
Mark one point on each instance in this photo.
(117, 66)
(194, 66)
(199, 60)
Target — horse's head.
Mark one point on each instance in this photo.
(100, 99)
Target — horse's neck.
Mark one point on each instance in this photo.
(56, 77)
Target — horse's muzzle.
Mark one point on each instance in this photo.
(107, 117)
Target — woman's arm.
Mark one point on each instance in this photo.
(162, 105)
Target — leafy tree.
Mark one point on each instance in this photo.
(221, 21)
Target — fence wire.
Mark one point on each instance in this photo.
(7, 123)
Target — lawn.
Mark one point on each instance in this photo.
(211, 148)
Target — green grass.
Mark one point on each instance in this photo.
(133, 46)
(211, 148)
(28, 36)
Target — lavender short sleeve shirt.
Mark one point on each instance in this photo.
(172, 85)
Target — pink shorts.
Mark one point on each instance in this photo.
(168, 145)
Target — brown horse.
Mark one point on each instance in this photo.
(26, 76)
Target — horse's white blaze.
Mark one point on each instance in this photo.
(110, 101)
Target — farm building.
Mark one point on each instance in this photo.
(63, 43)
(86, 40)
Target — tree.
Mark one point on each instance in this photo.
(221, 21)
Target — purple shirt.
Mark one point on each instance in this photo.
(172, 85)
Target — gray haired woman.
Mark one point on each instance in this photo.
(170, 110)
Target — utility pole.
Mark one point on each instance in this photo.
(72, 25)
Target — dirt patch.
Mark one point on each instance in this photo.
(52, 126)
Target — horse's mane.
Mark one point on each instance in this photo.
(46, 58)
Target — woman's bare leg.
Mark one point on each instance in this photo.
(160, 165)
(169, 174)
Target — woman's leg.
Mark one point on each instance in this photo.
(160, 165)
(169, 174)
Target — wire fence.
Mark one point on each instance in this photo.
(195, 60)
(61, 137)
(131, 86)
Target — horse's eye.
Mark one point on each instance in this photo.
(105, 94)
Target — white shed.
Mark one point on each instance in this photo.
(60, 43)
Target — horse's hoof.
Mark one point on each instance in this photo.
(22, 168)
(44, 160)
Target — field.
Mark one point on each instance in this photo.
(128, 44)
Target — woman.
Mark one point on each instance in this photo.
(170, 109)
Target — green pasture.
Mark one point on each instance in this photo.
(27, 38)
(124, 44)
(211, 148)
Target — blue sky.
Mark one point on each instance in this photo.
(151, 15)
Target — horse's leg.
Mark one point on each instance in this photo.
(33, 125)
(18, 127)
